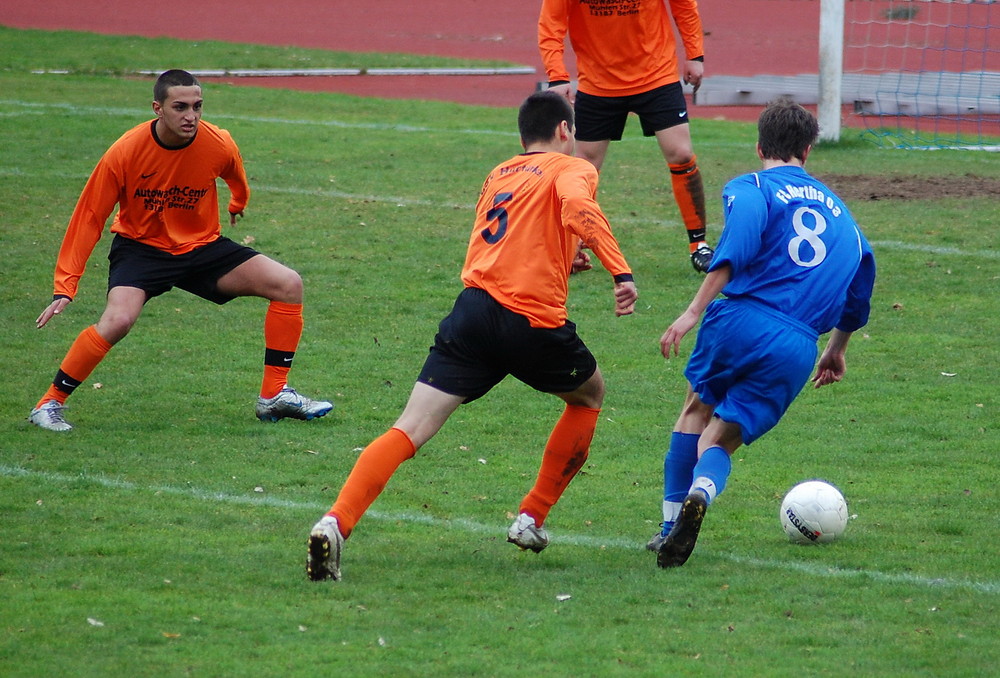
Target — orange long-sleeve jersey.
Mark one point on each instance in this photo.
(532, 214)
(166, 197)
(622, 47)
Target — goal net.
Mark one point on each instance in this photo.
(924, 73)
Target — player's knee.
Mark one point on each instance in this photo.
(114, 325)
(289, 287)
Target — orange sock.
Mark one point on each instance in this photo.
(371, 472)
(282, 331)
(86, 352)
(689, 192)
(565, 454)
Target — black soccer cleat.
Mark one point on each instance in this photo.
(701, 258)
(679, 544)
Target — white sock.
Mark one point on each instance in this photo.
(706, 485)
(671, 510)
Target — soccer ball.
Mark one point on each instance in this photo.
(813, 512)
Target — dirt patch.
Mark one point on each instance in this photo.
(860, 187)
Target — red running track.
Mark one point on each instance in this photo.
(742, 37)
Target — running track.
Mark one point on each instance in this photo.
(742, 37)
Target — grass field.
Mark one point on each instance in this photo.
(165, 535)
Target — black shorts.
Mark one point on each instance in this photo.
(603, 118)
(136, 264)
(480, 342)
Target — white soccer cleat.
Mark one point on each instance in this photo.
(290, 404)
(526, 535)
(325, 546)
(50, 417)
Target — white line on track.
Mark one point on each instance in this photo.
(813, 570)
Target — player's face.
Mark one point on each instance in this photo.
(178, 115)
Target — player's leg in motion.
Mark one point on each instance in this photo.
(565, 453)
(678, 467)
(261, 276)
(86, 352)
(688, 189)
(371, 472)
(282, 330)
(425, 413)
(710, 476)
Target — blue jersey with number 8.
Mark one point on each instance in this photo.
(794, 247)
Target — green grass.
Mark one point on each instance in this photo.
(165, 535)
(30, 50)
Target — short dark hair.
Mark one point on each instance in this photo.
(172, 78)
(540, 115)
(786, 130)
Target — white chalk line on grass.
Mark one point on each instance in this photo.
(38, 108)
(464, 524)
(400, 201)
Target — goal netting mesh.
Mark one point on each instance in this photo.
(924, 73)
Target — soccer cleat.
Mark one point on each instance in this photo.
(526, 535)
(325, 546)
(657, 539)
(290, 404)
(701, 258)
(50, 417)
(679, 544)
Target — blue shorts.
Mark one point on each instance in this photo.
(480, 342)
(136, 264)
(603, 118)
(750, 362)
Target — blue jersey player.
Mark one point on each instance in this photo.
(791, 264)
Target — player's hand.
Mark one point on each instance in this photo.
(565, 91)
(625, 296)
(694, 71)
(582, 260)
(830, 369)
(55, 308)
(232, 217)
(672, 337)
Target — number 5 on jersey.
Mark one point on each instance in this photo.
(498, 214)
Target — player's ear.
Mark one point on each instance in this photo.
(157, 108)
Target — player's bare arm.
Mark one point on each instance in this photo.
(685, 322)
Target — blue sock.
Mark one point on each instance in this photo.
(711, 472)
(678, 465)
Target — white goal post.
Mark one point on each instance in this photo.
(831, 68)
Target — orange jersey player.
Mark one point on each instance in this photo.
(534, 213)
(517, 221)
(162, 176)
(627, 62)
(166, 199)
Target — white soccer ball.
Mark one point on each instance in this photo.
(813, 512)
